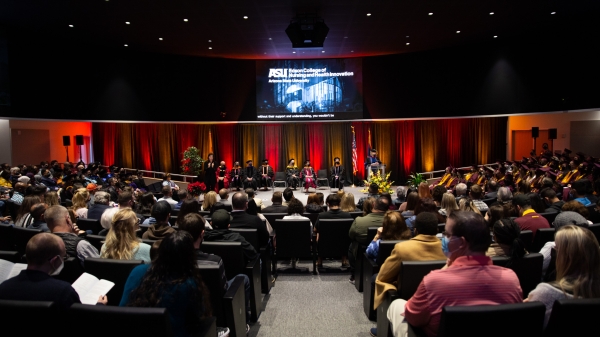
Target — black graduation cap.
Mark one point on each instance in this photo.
(248, 161)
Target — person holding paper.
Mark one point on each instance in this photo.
(45, 257)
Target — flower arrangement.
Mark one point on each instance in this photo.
(196, 188)
(384, 183)
(192, 161)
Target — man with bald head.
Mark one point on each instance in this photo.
(58, 220)
(45, 257)
(241, 219)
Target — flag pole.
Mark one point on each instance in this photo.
(353, 172)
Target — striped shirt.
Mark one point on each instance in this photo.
(471, 280)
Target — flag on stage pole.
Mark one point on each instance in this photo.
(369, 142)
(354, 154)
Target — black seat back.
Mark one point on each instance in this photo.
(528, 320)
(211, 276)
(568, 317)
(96, 240)
(71, 271)
(250, 234)
(312, 216)
(13, 312)
(293, 238)
(6, 237)
(542, 235)
(412, 273)
(271, 217)
(116, 271)
(230, 252)
(333, 237)
(441, 227)
(385, 250)
(595, 228)
(527, 237)
(21, 236)
(90, 224)
(371, 232)
(356, 214)
(126, 320)
(10, 255)
(550, 216)
(528, 269)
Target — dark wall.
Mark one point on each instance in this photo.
(74, 81)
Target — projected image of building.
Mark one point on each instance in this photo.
(323, 96)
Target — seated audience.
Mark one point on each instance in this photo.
(577, 269)
(448, 204)
(536, 203)
(466, 205)
(553, 203)
(220, 222)
(412, 200)
(181, 195)
(241, 219)
(389, 198)
(101, 200)
(80, 202)
(37, 212)
(51, 198)
(121, 241)
(60, 223)
(410, 190)
(469, 240)
(167, 193)
(400, 196)
(126, 201)
(312, 204)
(563, 219)
(171, 281)
(224, 197)
(24, 218)
(424, 205)
(492, 188)
(476, 194)
(161, 211)
(461, 191)
(288, 195)
(528, 219)
(210, 199)
(425, 246)
(437, 194)
(144, 207)
(46, 255)
(373, 193)
(347, 204)
(495, 213)
(506, 240)
(579, 191)
(276, 207)
(19, 193)
(252, 196)
(393, 228)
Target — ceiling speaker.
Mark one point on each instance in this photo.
(307, 31)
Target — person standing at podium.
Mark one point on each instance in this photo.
(372, 162)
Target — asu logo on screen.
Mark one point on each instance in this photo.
(278, 72)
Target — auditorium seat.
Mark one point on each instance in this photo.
(280, 179)
(333, 238)
(71, 271)
(116, 271)
(358, 268)
(571, 317)
(595, 228)
(10, 255)
(228, 305)
(527, 237)
(21, 236)
(92, 225)
(356, 214)
(528, 269)
(293, 241)
(6, 237)
(251, 235)
(520, 319)
(96, 240)
(16, 316)
(233, 261)
(371, 268)
(123, 321)
(542, 235)
(550, 216)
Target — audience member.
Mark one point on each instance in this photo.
(576, 206)
(19, 193)
(492, 188)
(424, 191)
(46, 255)
(167, 193)
(37, 212)
(461, 191)
(224, 197)
(475, 194)
(425, 246)
(241, 219)
(469, 240)
(393, 228)
(92, 188)
(288, 195)
(51, 198)
(210, 199)
(276, 207)
(553, 203)
(221, 222)
(121, 241)
(507, 242)
(373, 192)
(437, 194)
(312, 204)
(182, 195)
(466, 205)
(528, 219)
(161, 211)
(348, 203)
(448, 204)
(577, 269)
(125, 202)
(412, 200)
(390, 201)
(101, 200)
(24, 218)
(563, 219)
(252, 196)
(424, 205)
(495, 213)
(60, 223)
(144, 207)
(80, 202)
(172, 281)
(579, 191)
(400, 196)
(536, 203)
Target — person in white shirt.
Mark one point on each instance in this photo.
(167, 196)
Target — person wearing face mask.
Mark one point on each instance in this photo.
(250, 176)
(60, 224)
(221, 175)
(292, 174)
(45, 258)
(235, 176)
(488, 284)
(337, 173)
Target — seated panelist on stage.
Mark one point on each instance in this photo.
(221, 175)
(308, 176)
(236, 176)
(337, 173)
(266, 174)
(250, 176)
(292, 175)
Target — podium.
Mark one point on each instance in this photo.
(375, 169)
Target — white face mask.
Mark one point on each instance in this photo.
(59, 269)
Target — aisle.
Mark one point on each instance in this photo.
(313, 305)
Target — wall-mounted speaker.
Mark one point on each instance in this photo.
(79, 140)
(552, 134)
(535, 132)
(66, 141)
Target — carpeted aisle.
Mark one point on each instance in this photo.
(313, 305)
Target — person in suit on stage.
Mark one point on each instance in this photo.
(250, 176)
(236, 175)
(221, 176)
(337, 173)
(372, 161)
(266, 174)
(292, 175)
(308, 176)
(210, 169)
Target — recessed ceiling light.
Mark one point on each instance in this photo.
(185, 20)
(160, 38)
(553, 13)
(209, 47)
(293, 52)
(430, 13)
(345, 37)
(322, 51)
(126, 45)
(407, 36)
(265, 53)
(407, 43)
(245, 17)
(458, 31)
(352, 51)
(368, 14)
(270, 39)
(495, 36)
(209, 41)
(491, 13)
(71, 26)
(127, 22)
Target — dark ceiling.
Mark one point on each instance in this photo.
(218, 28)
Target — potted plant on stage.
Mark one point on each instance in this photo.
(191, 164)
(415, 179)
(197, 190)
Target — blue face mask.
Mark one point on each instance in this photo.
(445, 241)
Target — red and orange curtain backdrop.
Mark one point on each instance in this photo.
(404, 146)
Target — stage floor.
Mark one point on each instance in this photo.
(300, 195)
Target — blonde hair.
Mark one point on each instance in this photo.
(210, 199)
(121, 241)
(80, 199)
(348, 204)
(449, 203)
(466, 204)
(51, 198)
(577, 262)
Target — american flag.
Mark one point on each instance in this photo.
(354, 155)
